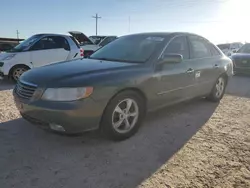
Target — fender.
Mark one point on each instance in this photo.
(8, 66)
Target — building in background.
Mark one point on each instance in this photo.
(8, 43)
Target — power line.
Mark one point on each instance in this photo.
(96, 22)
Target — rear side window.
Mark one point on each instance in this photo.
(178, 45)
(199, 47)
(224, 46)
(75, 41)
(214, 51)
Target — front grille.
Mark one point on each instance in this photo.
(25, 90)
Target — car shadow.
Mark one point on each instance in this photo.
(239, 86)
(6, 85)
(32, 157)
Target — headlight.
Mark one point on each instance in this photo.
(9, 57)
(67, 94)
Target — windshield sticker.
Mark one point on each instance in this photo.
(158, 39)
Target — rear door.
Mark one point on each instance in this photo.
(204, 64)
(49, 50)
(174, 81)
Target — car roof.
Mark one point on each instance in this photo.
(164, 34)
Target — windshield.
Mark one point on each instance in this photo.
(224, 46)
(136, 48)
(244, 49)
(96, 39)
(26, 43)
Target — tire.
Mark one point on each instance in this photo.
(218, 90)
(17, 71)
(118, 123)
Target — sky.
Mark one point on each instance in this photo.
(218, 20)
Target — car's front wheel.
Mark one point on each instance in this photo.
(218, 90)
(123, 115)
(17, 71)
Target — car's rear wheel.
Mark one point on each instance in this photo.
(123, 116)
(218, 90)
(17, 71)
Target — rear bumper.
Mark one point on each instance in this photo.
(74, 117)
(240, 70)
(1, 75)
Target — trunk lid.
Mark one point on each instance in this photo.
(80, 37)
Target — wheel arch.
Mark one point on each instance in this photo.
(225, 75)
(15, 66)
(133, 89)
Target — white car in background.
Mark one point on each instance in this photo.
(230, 48)
(92, 43)
(36, 51)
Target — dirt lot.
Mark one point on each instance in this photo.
(196, 144)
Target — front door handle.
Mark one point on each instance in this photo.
(216, 66)
(190, 70)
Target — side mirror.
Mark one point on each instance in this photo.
(171, 59)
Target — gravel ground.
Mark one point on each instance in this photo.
(195, 144)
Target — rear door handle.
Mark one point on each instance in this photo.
(190, 70)
(216, 66)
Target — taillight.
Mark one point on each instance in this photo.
(81, 52)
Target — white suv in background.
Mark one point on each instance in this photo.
(36, 51)
(230, 48)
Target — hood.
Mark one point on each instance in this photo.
(59, 72)
(82, 38)
(240, 56)
(5, 54)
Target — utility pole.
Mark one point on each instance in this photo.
(129, 24)
(17, 35)
(96, 21)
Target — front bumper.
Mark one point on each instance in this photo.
(74, 117)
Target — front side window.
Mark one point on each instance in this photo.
(134, 49)
(52, 42)
(178, 45)
(199, 47)
(214, 51)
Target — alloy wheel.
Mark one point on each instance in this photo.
(18, 72)
(125, 115)
(220, 86)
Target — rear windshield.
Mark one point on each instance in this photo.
(244, 49)
(75, 41)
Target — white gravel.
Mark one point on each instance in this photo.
(195, 144)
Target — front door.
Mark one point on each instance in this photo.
(175, 80)
(49, 50)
